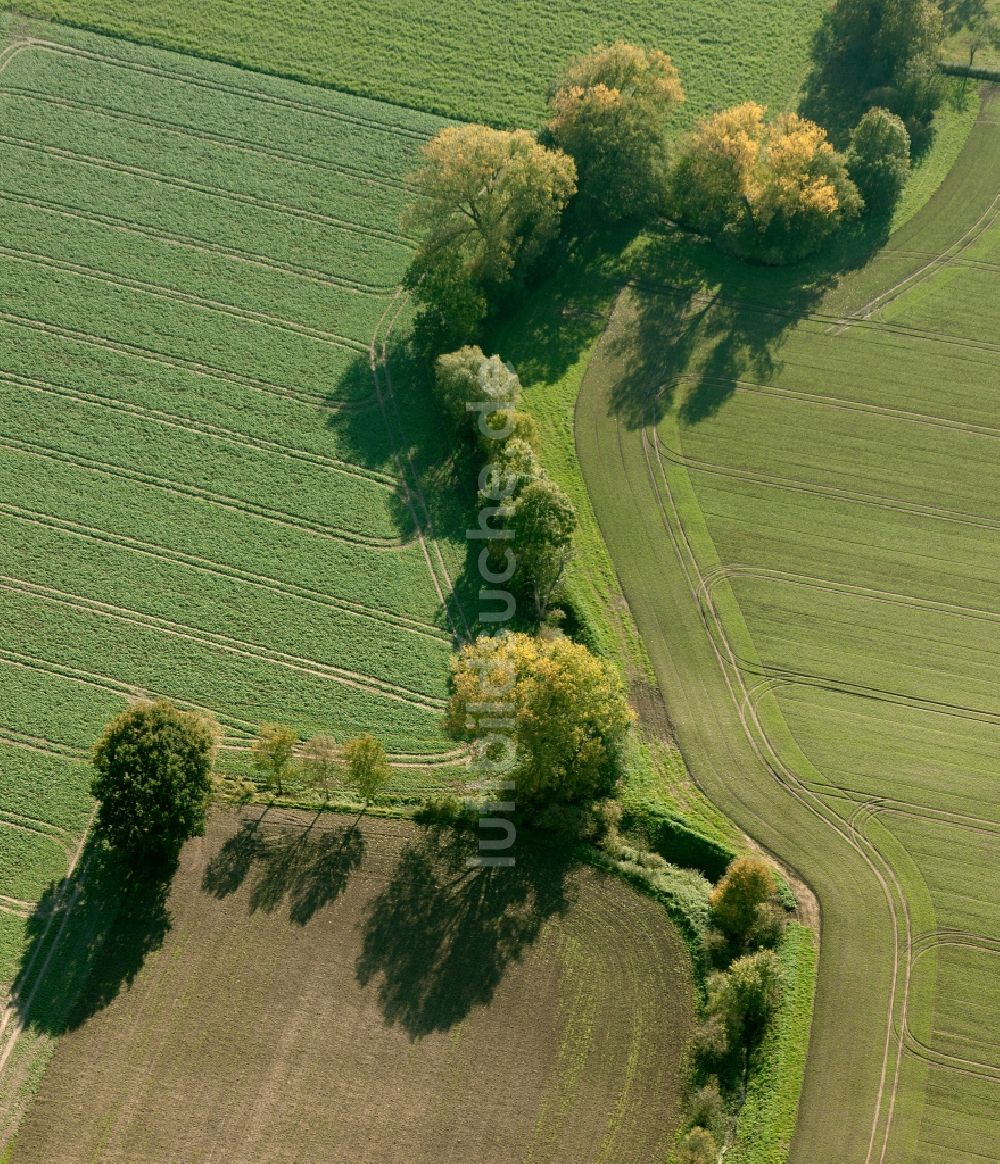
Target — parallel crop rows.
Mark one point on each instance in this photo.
(206, 490)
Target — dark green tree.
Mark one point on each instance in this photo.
(611, 113)
(543, 523)
(745, 998)
(878, 159)
(153, 778)
(876, 52)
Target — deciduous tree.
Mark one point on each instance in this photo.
(490, 202)
(876, 52)
(745, 997)
(566, 711)
(879, 158)
(152, 780)
(543, 524)
(368, 769)
(610, 113)
(767, 190)
(699, 1147)
(736, 901)
(320, 758)
(273, 754)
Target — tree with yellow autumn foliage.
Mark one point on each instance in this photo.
(542, 711)
(490, 202)
(768, 190)
(610, 113)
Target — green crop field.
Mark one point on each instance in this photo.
(478, 60)
(334, 992)
(798, 477)
(210, 487)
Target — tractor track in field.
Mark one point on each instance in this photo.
(770, 758)
(232, 504)
(373, 477)
(35, 743)
(230, 573)
(180, 77)
(908, 601)
(847, 405)
(835, 493)
(179, 363)
(189, 299)
(36, 824)
(228, 141)
(235, 196)
(985, 222)
(974, 264)
(16, 906)
(370, 684)
(128, 691)
(10, 820)
(198, 245)
(878, 694)
(890, 805)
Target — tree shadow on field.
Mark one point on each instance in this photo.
(88, 938)
(703, 321)
(309, 869)
(405, 435)
(440, 936)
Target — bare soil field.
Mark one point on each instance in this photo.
(333, 990)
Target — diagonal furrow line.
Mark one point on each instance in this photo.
(32, 743)
(212, 372)
(200, 245)
(203, 428)
(838, 402)
(314, 216)
(180, 77)
(243, 145)
(978, 228)
(239, 647)
(219, 569)
(813, 583)
(879, 694)
(17, 906)
(835, 493)
(179, 489)
(202, 302)
(129, 691)
(35, 824)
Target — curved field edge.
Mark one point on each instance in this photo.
(739, 750)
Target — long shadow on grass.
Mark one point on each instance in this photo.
(705, 321)
(308, 869)
(88, 938)
(439, 938)
(406, 434)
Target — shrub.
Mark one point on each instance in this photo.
(879, 159)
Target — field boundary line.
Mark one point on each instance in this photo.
(244, 145)
(193, 425)
(273, 206)
(223, 570)
(180, 489)
(181, 77)
(202, 246)
(66, 897)
(370, 684)
(216, 306)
